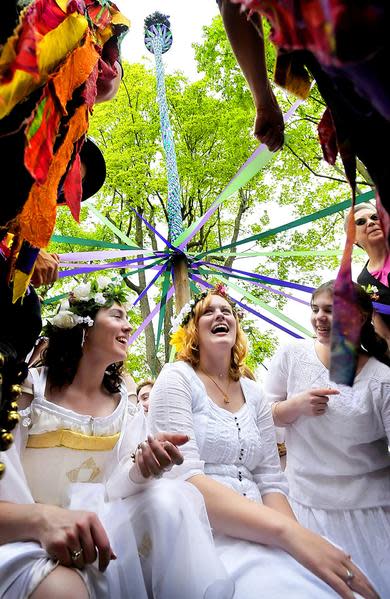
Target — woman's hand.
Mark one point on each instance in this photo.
(159, 454)
(269, 124)
(314, 402)
(327, 562)
(74, 538)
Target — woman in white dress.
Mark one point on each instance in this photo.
(338, 462)
(232, 459)
(78, 518)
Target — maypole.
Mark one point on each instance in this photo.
(158, 40)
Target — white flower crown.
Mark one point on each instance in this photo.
(84, 297)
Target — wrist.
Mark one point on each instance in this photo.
(37, 521)
(286, 533)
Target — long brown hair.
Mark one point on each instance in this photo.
(370, 341)
(190, 351)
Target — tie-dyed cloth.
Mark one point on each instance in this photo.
(344, 45)
(51, 68)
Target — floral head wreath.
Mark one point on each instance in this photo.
(178, 332)
(372, 291)
(85, 299)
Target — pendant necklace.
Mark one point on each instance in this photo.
(224, 393)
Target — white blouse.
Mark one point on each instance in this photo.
(64, 448)
(339, 460)
(237, 449)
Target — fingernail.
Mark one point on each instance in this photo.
(150, 439)
(113, 556)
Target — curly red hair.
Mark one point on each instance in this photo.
(190, 351)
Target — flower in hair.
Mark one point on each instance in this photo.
(178, 339)
(65, 319)
(85, 299)
(372, 291)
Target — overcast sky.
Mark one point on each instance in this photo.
(187, 20)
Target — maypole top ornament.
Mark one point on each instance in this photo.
(157, 27)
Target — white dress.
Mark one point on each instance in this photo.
(158, 529)
(338, 464)
(239, 450)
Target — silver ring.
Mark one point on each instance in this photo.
(76, 554)
(350, 576)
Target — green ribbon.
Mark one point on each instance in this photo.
(113, 228)
(53, 300)
(241, 179)
(364, 197)
(163, 307)
(258, 302)
(96, 243)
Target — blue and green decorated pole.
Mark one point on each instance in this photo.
(158, 40)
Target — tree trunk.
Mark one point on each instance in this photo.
(150, 339)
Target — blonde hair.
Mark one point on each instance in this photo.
(190, 350)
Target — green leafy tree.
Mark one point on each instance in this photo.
(212, 122)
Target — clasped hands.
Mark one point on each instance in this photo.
(156, 455)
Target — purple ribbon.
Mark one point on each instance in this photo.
(214, 206)
(270, 280)
(100, 255)
(249, 309)
(147, 223)
(160, 271)
(95, 267)
(150, 317)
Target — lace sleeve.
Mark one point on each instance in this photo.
(171, 411)
(268, 475)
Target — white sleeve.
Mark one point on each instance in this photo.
(385, 409)
(268, 475)
(13, 486)
(125, 478)
(276, 383)
(171, 411)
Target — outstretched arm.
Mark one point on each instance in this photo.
(248, 46)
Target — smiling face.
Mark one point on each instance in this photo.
(143, 397)
(109, 335)
(217, 325)
(368, 228)
(321, 316)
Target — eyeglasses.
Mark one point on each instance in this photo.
(363, 219)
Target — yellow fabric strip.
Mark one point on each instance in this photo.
(66, 438)
(51, 49)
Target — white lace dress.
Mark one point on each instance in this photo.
(239, 450)
(158, 529)
(338, 464)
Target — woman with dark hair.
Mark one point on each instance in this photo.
(232, 459)
(74, 494)
(338, 462)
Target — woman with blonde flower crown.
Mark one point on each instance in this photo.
(79, 516)
(337, 437)
(231, 458)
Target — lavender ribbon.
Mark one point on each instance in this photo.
(95, 267)
(214, 206)
(249, 309)
(150, 317)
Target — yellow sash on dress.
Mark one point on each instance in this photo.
(66, 438)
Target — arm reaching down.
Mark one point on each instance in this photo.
(247, 43)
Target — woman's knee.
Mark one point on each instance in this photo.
(61, 583)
